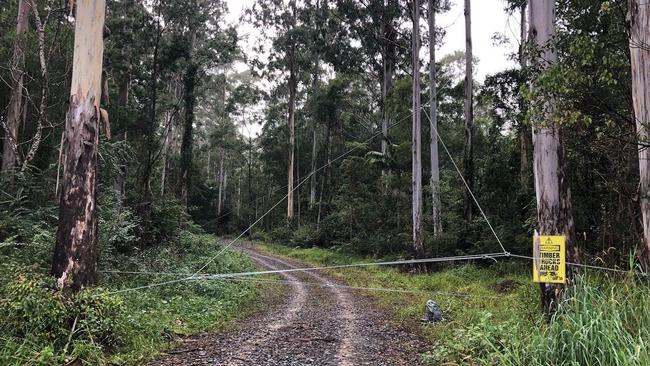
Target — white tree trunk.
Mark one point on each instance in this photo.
(468, 155)
(15, 108)
(74, 262)
(554, 212)
(416, 140)
(292, 142)
(221, 178)
(639, 22)
(436, 206)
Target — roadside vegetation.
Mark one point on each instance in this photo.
(39, 326)
(492, 313)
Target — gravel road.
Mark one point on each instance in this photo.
(308, 325)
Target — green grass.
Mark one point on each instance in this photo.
(601, 321)
(97, 327)
(469, 295)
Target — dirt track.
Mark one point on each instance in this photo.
(312, 324)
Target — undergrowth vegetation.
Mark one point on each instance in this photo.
(492, 314)
(100, 325)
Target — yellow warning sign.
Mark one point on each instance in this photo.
(549, 264)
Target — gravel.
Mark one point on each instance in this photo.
(308, 325)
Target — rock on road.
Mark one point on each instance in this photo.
(313, 324)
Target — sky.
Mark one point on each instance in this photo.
(488, 18)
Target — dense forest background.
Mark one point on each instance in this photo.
(176, 104)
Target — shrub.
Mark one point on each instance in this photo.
(305, 236)
(53, 329)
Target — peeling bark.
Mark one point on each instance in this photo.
(74, 262)
(554, 211)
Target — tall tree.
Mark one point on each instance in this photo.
(416, 139)
(388, 60)
(554, 211)
(468, 152)
(433, 130)
(524, 131)
(15, 108)
(639, 23)
(74, 259)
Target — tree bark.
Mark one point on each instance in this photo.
(15, 108)
(416, 140)
(554, 211)
(436, 206)
(74, 262)
(639, 23)
(524, 132)
(388, 62)
(313, 181)
(292, 140)
(36, 140)
(188, 134)
(468, 152)
(221, 181)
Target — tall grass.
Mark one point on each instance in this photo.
(600, 322)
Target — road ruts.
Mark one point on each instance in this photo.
(314, 324)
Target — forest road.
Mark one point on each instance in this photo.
(311, 323)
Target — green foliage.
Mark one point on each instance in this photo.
(599, 322)
(99, 327)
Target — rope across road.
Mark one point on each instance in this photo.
(197, 275)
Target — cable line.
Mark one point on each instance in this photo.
(435, 129)
(224, 248)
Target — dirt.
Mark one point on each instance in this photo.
(312, 323)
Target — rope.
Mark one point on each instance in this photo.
(223, 249)
(491, 256)
(435, 129)
(573, 264)
(380, 289)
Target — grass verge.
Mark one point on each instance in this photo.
(99, 327)
(477, 300)
(493, 315)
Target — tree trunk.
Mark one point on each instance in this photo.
(325, 175)
(36, 140)
(292, 140)
(388, 61)
(188, 134)
(436, 207)
(416, 141)
(524, 132)
(313, 182)
(554, 211)
(639, 22)
(14, 110)
(74, 262)
(468, 154)
(221, 181)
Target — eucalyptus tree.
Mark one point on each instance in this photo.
(554, 210)
(201, 40)
(639, 23)
(74, 262)
(289, 58)
(436, 205)
(468, 152)
(15, 107)
(385, 50)
(416, 138)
